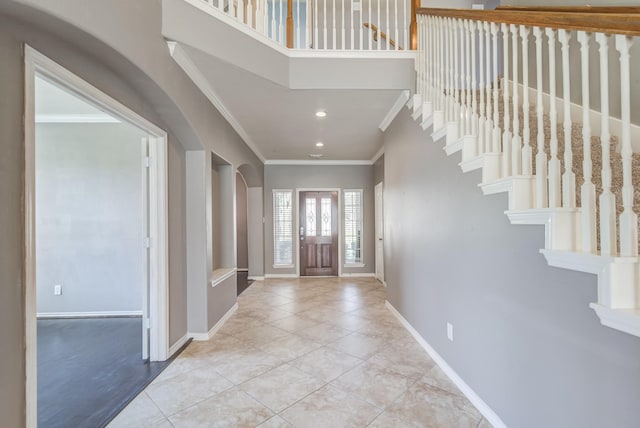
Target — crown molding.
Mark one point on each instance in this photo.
(290, 162)
(394, 110)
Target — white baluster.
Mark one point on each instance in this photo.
(481, 88)
(456, 74)
(342, 26)
(496, 93)
(452, 58)
(463, 79)
(607, 198)
(250, 21)
(469, 111)
(405, 26)
(325, 32)
(369, 18)
(274, 27)
(554, 164)
(388, 29)
(474, 80)
(298, 45)
(360, 28)
(395, 17)
(588, 190)
(240, 11)
(281, 26)
(334, 33)
(506, 135)
(568, 178)
(351, 31)
(527, 155)
(489, 120)
(516, 154)
(379, 23)
(628, 218)
(541, 156)
(448, 49)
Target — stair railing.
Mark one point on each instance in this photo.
(483, 83)
(327, 24)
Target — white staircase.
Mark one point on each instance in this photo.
(468, 93)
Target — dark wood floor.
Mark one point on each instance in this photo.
(89, 369)
(243, 281)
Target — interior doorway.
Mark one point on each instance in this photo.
(379, 232)
(96, 244)
(318, 233)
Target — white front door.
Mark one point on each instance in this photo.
(379, 218)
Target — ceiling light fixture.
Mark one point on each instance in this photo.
(319, 144)
(321, 113)
(315, 155)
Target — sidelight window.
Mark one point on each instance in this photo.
(282, 228)
(353, 227)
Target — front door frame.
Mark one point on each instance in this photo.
(296, 232)
(37, 63)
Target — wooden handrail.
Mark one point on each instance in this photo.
(569, 9)
(413, 25)
(383, 35)
(289, 24)
(610, 23)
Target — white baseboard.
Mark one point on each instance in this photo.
(216, 327)
(179, 343)
(97, 314)
(256, 278)
(281, 275)
(358, 275)
(482, 407)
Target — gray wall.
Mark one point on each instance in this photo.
(241, 223)
(255, 231)
(525, 338)
(89, 217)
(319, 177)
(93, 40)
(378, 170)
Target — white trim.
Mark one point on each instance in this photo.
(358, 275)
(96, 314)
(179, 344)
(378, 155)
(317, 162)
(48, 69)
(353, 265)
(256, 278)
(75, 118)
(472, 164)
(216, 327)
(296, 232)
(281, 275)
(187, 65)
(625, 320)
(475, 399)
(394, 110)
(289, 266)
(220, 275)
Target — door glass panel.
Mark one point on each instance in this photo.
(311, 216)
(325, 208)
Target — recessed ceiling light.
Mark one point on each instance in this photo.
(319, 144)
(321, 113)
(315, 155)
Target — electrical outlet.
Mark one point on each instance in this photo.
(57, 290)
(450, 331)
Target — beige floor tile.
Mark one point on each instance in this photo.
(424, 406)
(275, 422)
(246, 365)
(186, 389)
(290, 347)
(323, 333)
(379, 386)
(293, 323)
(387, 421)
(326, 363)
(358, 345)
(238, 323)
(232, 408)
(281, 387)
(261, 335)
(436, 377)
(409, 360)
(141, 412)
(183, 364)
(330, 407)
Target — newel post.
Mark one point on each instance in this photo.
(413, 26)
(290, 24)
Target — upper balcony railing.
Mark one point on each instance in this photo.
(328, 24)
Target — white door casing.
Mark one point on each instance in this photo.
(379, 219)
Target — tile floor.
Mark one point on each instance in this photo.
(321, 352)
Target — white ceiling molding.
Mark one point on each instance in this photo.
(75, 118)
(183, 60)
(379, 153)
(403, 98)
(317, 162)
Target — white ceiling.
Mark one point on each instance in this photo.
(281, 122)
